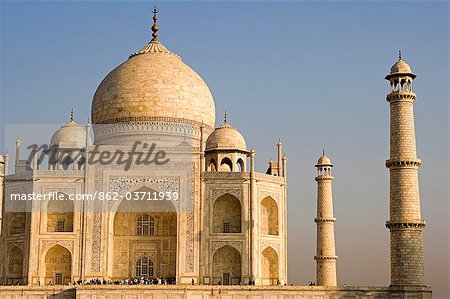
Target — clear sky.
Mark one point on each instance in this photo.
(310, 73)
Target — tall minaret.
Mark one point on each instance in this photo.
(405, 224)
(326, 252)
(3, 171)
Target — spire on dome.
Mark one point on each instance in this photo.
(154, 46)
(324, 160)
(225, 122)
(155, 27)
(71, 122)
(400, 68)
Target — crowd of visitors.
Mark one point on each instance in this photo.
(129, 281)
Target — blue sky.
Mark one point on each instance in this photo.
(310, 73)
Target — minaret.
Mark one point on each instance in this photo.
(405, 224)
(326, 252)
(279, 158)
(2, 184)
(18, 144)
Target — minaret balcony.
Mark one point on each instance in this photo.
(396, 224)
(403, 163)
(323, 257)
(317, 220)
(402, 95)
(324, 178)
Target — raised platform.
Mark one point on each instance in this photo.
(204, 291)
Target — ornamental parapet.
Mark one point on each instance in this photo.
(394, 225)
(60, 173)
(398, 96)
(403, 163)
(226, 174)
(324, 178)
(244, 175)
(316, 220)
(269, 177)
(326, 257)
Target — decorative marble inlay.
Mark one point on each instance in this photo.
(18, 244)
(46, 244)
(275, 246)
(119, 184)
(215, 193)
(264, 193)
(96, 239)
(189, 266)
(219, 244)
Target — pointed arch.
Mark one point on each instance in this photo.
(152, 224)
(240, 165)
(269, 267)
(58, 266)
(226, 165)
(269, 216)
(67, 161)
(227, 266)
(15, 265)
(212, 165)
(227, 214)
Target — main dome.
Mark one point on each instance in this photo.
(153, 85)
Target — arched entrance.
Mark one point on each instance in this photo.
(269, 267)
(227, 214)
(227, 266)
(58, 266)
(144, 238)
(269, 216)
(15, 266)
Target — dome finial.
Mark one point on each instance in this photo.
(323, 151)
(71, 115)
(155, 27)
(225, 117)
(399, 54)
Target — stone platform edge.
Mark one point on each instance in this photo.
(211, 291)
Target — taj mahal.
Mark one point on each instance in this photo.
(196, 214)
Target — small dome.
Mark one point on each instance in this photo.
(324, 161)
(226, 137)
(401, 68)
(70, 135)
